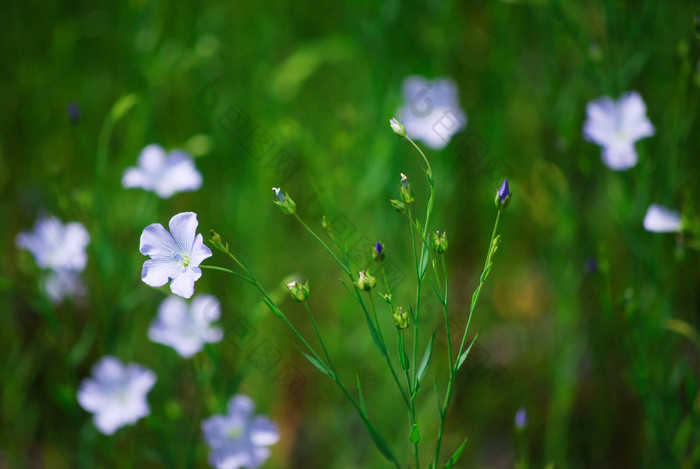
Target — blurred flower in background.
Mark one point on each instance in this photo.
(56, 246)
(164, 174)
(659, 219)
(616, 125)
(61, 248)
(239, 439)
(431, 111)
(63, 284)
(186, 328)
(116, 394)
(174, 255)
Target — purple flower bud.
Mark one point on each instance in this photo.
(521, 418)
(504, 191)
(591, 265)
(73, 111)
(378, 248)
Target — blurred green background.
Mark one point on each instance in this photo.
(589, 354)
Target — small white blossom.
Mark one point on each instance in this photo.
(116, 394)
(431, 111)
(659, 219)
(164, 174)
(174, 255)
(56, 246)
(186, 328)
(616, 125)
(239, 439)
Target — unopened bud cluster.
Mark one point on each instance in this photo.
(284, 202)
(400, 318)
(366, 281)
(298, 291)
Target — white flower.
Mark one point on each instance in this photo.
(62, 284)
(163, 174)
(616, 125)
(56, 246)
(431, 111)
(116, 394)
(174, 256)
(659, 219)
(186, 327)
(239, 439)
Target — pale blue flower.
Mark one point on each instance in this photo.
(616, 125)
(56, 246)
(186, 328)
(659, 219)
(239, 439)
(164, 174)
(174, 255)
(116, 394)
(431, 111)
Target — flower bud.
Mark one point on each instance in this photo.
(503, 196)
(326, 225)
(521, 419)
(397, 127)
(284, 201)
(217, 241)
(299, 291)
(378, 252)
(387, 297)
(398, 206)
(440, 242)
(400, 318)
(405, 190)
(366, 281)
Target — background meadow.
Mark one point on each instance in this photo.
(587, 321)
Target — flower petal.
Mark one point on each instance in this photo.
(157, 272)
(241, 406)
(200, 251)
(659, 219)
(633, 116)
(205, 309)
(183, 283)
(263, 432)
(157, 242)
(619, 157)
(152, 159)
(183, 227)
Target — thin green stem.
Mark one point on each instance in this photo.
(325, 246)
(453, 370)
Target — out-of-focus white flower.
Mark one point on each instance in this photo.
(174, 255)
(116, 394)
(186, 328)
(164, 174)
(431, 111)
(56, 246)
(616, 125)
(239, 439)
(63, 284)
(659, 219)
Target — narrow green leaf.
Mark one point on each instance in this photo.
(123, 105)
(403, 357)
(415, 433)
(463, 357)
(455, 457)
(423, 368)
(381, 443)
(423, 262)
(362, 399)
(319, 365)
